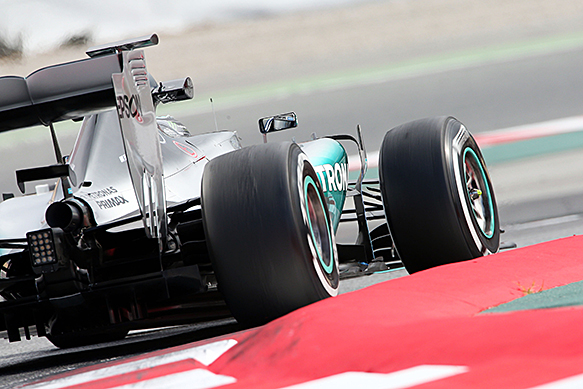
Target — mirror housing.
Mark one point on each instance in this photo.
(175, 90)
(278, 122)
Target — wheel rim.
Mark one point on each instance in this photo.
(478, 193)
(318, 225)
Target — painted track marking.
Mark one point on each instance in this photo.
(194, 379)
(398, 380)
(499, 137)
(530, 131)
(205, 355)
(574, 382)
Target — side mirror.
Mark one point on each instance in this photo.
(277, 123)
(175, 90)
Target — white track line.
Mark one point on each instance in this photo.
(398, 380)
(205, 354)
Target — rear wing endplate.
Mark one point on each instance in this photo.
(137, 120)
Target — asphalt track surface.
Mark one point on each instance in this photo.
(488, 96)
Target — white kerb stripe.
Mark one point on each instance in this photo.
(398, 380)
(193, 379)
(205, 354)
(575, 382)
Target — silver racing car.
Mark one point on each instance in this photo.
(145, 224)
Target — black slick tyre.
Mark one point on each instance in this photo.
(70, 340)
(438, 197)
(82, 327)
(268, 231)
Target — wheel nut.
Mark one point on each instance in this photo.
(475, 194)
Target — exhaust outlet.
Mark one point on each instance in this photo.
(65, 215)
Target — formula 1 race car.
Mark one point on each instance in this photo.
(146, 225)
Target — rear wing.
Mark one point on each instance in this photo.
(115, 75)
(75, 89)
(60, 92)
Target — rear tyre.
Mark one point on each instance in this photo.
(438, 197)
(69, 340)
(268, 231)
(76, 329)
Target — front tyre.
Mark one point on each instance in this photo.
(268, 231)
(438, 197)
